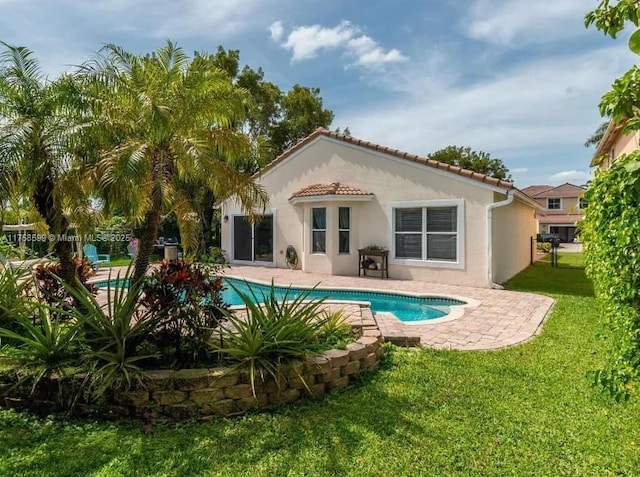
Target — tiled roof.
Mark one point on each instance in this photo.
(329, 189)
(393, 152)
(534, 190)
(564, 190)
(559, 219)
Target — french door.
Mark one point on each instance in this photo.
(253, 242)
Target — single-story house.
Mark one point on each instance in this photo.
(331, 195)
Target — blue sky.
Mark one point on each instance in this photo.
(515, 78)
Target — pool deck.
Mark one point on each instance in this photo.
(492, 319)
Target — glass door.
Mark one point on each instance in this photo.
(242, 239)
(253, 242)
(263, 239)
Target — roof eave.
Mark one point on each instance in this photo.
(331, 198)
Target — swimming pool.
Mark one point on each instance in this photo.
(406, 308)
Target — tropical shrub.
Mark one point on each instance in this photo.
(15, 284)
(113, 334)
(10, 250)
(543, 247)
(112, 236)
(189, 297)
(53, 290)
(611, 236)
(41, 344)
(334, 331)
(275, 330)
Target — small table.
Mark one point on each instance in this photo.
(383, 268)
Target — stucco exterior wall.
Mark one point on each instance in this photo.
(391, 180)
(513, 227)
(623, 144)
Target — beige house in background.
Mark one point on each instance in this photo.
(613, 144)
(563, 206)
(331, 195)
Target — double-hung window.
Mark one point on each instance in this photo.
(318, 230)
(554, 203)
(344, 229)
(429, 233)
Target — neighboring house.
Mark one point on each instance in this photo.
(613, 144)
(563, 208)
(331, 195)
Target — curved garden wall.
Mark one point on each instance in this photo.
(197, 393)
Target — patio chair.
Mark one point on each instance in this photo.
(95, 258)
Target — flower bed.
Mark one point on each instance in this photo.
(190, 393)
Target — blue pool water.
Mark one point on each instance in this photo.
(405, 307)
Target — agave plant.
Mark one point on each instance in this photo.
(41, 345)
(113, 332)
(275, 331)
(334, 330)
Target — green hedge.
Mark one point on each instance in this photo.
(611, 235)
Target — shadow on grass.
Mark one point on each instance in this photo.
(568, 278)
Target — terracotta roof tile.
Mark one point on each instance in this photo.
(564, 190)
(329, 189)
(534, 190)
(393, 152)
(559, 219)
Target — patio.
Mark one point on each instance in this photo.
(493, 319)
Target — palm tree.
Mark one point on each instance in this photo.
(167, 123)
(36, 119)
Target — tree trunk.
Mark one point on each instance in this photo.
(64, 252)
(58, 226)
(146, 241)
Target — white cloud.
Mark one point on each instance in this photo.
(538, 107)
(276, 31)
(305, 42)
(509, 21)
(574, 177)
(520, 170)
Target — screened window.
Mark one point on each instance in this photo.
(583, 203)
(318, 230)
(553, 204)
(344, 229)
(427, 233)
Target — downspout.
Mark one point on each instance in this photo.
(490, 207)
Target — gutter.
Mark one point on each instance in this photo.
(490, 207)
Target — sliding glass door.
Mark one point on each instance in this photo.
(253, 242)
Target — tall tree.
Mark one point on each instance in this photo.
(36, 118)
(477, 161)
(302, 112)
(597, 135)
(171, 123)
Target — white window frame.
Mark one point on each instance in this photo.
(348, 230)
(580, 199)
(424, 205)
(554, 198)
(324, 252)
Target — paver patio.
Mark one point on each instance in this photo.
(492, 319)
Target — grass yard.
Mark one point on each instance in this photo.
(527, 410)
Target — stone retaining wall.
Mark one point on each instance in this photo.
(190, 393)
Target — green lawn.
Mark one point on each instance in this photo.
(527, 410)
